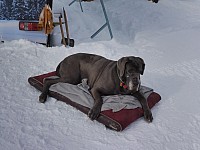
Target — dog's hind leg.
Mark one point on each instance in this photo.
(47, 83)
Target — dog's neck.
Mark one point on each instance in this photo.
(118, 74)
(122, 83)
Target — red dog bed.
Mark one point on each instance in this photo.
(115, 120)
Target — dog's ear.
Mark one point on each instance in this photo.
(139, 63)
(121, 63)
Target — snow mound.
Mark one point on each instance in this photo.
(165, 35)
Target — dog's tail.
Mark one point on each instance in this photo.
(57, 70)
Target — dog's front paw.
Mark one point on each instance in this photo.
(94, 113)
(148, 116)
(42, 98)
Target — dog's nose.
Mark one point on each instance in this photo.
(136, 81)
(133, 87)
(136, 84)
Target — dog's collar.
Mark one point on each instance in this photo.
(122, 84)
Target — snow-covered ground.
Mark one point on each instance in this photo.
(166, 35)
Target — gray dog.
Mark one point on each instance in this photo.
(105, 77)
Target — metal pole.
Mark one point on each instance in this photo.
(72, 2)
(79, 3)
(106, 24)
(105, 14)
(99, 30)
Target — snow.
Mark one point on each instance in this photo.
(166, 35)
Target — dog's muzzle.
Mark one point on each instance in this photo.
(134, 87)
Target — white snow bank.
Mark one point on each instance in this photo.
(166, 35)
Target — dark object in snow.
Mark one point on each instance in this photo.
(117, 121)
(105, 77)
(155, 1)
(87, 0)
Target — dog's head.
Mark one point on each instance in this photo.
(129, 71)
